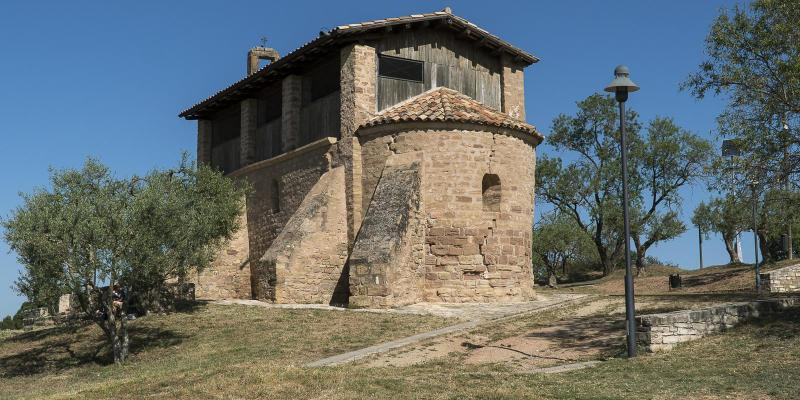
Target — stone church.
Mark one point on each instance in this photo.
(390, 163)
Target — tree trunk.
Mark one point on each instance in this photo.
(116, 346)
(604, 262)
(640, 252)
(117, 334)
(641, 269)
(125, 341)
(730, 247)
(763, 246)
(552, 280)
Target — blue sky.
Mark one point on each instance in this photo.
(108, 79)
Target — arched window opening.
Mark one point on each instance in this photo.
(490, 187)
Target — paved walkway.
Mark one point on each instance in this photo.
(475, 314)
(463, 311)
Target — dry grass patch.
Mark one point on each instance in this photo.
(240, 352)
(211, 349)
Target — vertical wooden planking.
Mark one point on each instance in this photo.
(274, 133)
(225, 156)
(450, 61)
(320, 118)
(468, 79)
(268, 139)
(392, 91)
(488, 89)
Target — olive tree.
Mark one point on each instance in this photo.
(584, 183)
(90, 232)
(727, 216)
(667, 158)
(753, 61)
(557, 241)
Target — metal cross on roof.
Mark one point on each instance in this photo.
(263, 41)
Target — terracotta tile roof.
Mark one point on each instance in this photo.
(340, 35)
(447, 105)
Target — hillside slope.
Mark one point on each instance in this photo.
(738, 278)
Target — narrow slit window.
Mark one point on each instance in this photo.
(490, 187)
(276, 197)
(400, 68)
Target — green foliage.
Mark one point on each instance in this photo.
(754, 60)
(7, 323)
(16, 321)
(727, 216)
(91, 229)
(587, 189)
(558, 243)
(668, 158)
(777, 214)
(754, 56)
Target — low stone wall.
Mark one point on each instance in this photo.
(661, 332)
(783, 280)
(37, 317)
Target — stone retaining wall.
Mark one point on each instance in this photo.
(36, 317)
(783, 280)
(661, 332)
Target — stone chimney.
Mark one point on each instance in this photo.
(257, 54)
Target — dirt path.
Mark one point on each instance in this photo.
(482, 315)
(582, 336)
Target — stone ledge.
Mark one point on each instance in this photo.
(660, 332)
(324, 142)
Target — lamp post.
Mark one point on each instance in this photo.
(621, 86)
(700, 236)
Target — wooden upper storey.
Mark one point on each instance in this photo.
(413, 54)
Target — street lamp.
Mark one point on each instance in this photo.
(621, 86)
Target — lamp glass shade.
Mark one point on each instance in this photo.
(621, 81)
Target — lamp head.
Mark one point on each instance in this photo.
(622, 84)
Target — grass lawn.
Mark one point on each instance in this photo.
(250, 352)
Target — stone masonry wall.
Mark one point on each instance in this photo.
(660, 332)
(292, 175)
(309, 254)
(228, 276)
(783, 280)
(358, 104)
(469, 253)
(383, 272)
(513, 89)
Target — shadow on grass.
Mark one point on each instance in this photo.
(780, 325)
(60, 348)
(190, 307)
(711, 277)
